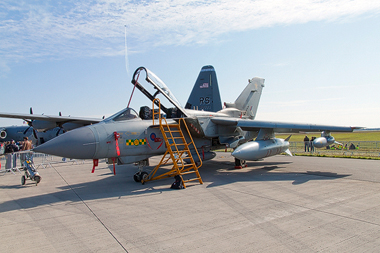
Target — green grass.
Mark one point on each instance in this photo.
(338, 156)
(340, 137)
(369, 148)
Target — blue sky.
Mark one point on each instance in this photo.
(320, 59)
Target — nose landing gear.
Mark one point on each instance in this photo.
(140, 174)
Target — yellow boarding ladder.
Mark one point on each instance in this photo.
(178, 151)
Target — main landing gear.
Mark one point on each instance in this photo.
(240, 163)
(140, 175)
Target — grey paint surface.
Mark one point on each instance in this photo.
(281, 204)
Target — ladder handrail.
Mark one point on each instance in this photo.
(160, 118)
(191, 141)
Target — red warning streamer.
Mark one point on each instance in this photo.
(117, 136)
(95, 163)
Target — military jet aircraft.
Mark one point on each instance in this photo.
(128, 138)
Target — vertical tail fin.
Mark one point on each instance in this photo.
(248, 100)
(205, 94)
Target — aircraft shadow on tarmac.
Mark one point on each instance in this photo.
(264, 171)
(122, 185)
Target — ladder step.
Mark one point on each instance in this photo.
(186, 157)
(179, 162)
(179, 144)
(193, 179)
(188, 165)
(172, 131)
(188, 172)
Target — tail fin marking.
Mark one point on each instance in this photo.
(205, 94)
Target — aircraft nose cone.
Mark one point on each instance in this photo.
(79, 143)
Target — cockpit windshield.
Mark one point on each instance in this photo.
(125, 114)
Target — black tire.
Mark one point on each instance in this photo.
(37, 179)
(239, 162)
(137, 177)
(144, 175)
(23, 179)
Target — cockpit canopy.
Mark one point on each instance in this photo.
(152, 86)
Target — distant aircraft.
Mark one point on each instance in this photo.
(17, 133)
(126, 138)
(42, 123)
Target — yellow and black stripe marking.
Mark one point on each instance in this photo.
(135, 142)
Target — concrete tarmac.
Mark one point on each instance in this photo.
(280, 204)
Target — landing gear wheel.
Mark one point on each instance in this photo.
(144, 177)
(137, 177)
(240, 163)
(23, 179)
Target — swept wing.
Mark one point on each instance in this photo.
(278, 127)
(57, 119)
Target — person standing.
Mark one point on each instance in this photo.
(10, 156)
(26, 145)
(311, 144)
(306, 143)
